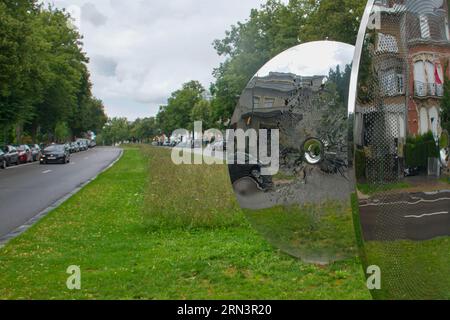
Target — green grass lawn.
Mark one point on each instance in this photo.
(318, 233)
(412, 269)
(445, 179)
(371, 189)
(147, 229)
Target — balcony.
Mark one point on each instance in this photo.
(422, 89)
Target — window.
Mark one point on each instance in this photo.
(392, 82)
(433, 115)
(428, 78)
(424, 27)
(400, 84)
(269, 102)
(256, 102)
(423, 121)
(447, 31)
(387, 43)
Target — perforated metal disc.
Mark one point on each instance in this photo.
(303, 208)
(402, 198)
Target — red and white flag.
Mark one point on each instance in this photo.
(436, 74)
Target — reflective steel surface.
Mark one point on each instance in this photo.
(400, 137)
(303, 208)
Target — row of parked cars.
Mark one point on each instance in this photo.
(215, 146)
(55, 153)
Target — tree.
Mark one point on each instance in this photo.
(202, 112)
(62, 132)
(144, 130)
(270, 30)
(445, 103)
(44, 79)
(116, 130)
(177, 113)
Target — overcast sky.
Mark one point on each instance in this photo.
(142, 50)
(310, 59)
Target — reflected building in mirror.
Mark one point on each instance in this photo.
(401, 148)
(304, 208)
(303, 109)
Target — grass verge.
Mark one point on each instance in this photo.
(412, 269)
(371, 189)
(127, 250)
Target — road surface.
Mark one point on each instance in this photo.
(27, 190)
(414, 216)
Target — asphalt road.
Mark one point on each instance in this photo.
(27, 190)
(414, 216)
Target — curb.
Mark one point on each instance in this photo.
(17, 232)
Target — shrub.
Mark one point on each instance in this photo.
(360, 163)
(418, 149)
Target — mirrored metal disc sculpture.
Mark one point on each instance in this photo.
(401, 122)
(302, 204)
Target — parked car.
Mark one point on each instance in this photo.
(11, 155)
(25, 154)
(56, 153)
(250, 169)
(74, 147)
(3, 163)
(219, 146)
(184, 145)
(35, 151)
(92, 144)
(83, 143)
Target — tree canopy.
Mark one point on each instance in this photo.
(44, 80)
(273, 28)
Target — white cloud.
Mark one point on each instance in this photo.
(309, 59)
(141, 51)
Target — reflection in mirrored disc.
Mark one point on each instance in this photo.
(303, 206)
(400, 138)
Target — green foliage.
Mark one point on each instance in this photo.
(44, 79)
(360, 164)
(270, 30)
(370, 189)
(445, 103)
(116, 130)
(62, 132)
(444, 140)
(178, 112)
(419, 148)
(144, 129)
(202, 112)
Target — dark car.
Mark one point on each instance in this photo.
(3, 163)
(35, 151)
(250, 169)
(56, 153)
(11, 155)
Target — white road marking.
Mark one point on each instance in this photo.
(428, 215)
(46, 171)
(404, 202)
